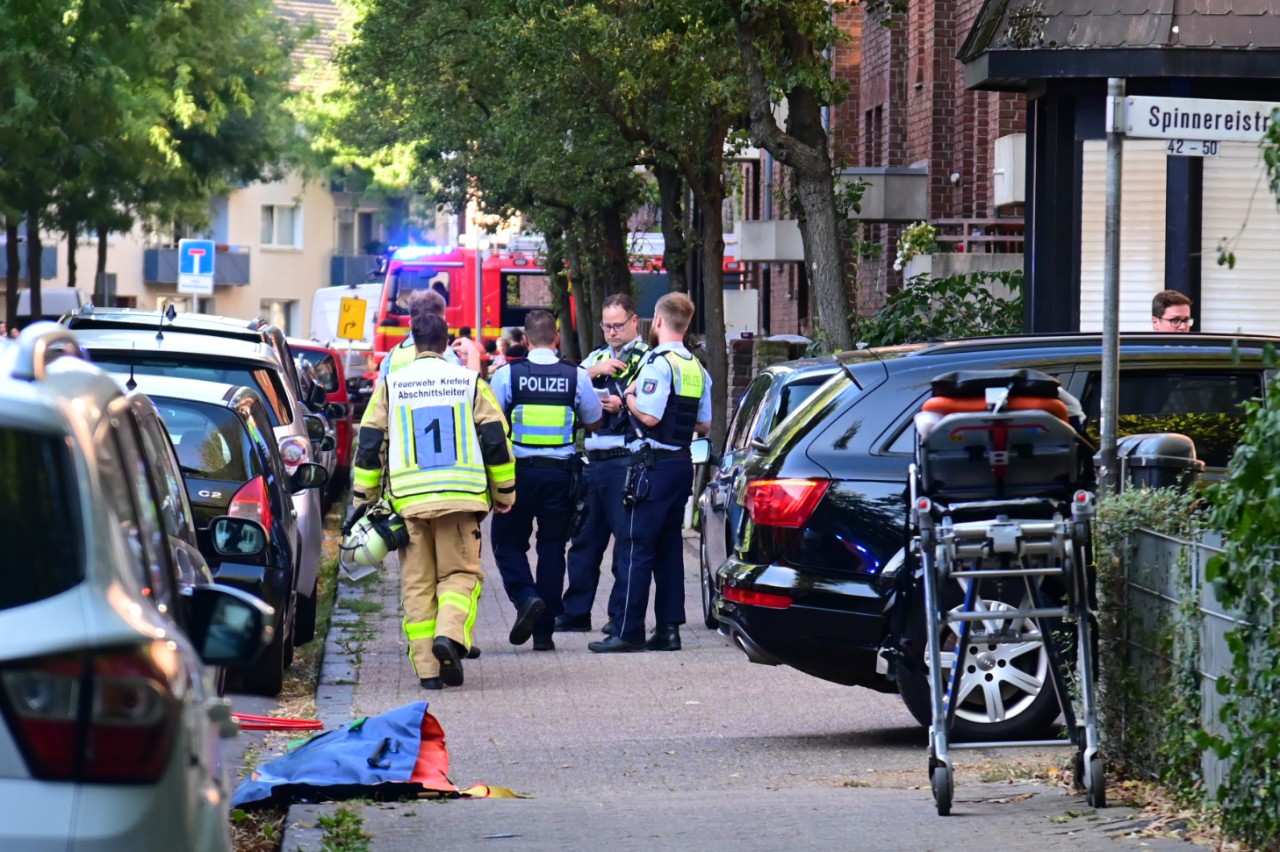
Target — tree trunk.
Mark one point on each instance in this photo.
(33, 263)
(617, 257)
(72, 229)
(560, 297)
(675, 252)
(99, 279)
(711, 200)
(13, 257)
(804, 150)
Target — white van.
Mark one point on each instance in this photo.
(55, 301)
(326, 305)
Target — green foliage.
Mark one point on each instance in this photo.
(946, 308)
(1150, 713)
(1247, 579)
(343, 832)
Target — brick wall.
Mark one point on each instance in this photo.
(910, 107)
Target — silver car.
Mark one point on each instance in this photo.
(109, 723)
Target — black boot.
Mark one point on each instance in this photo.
(665, 637)
(449, 653)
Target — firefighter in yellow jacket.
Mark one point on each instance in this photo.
(448, 459)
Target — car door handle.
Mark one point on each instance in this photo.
(717, 497)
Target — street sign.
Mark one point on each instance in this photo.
(351, 319)
(1197, 118)
(1191, 148)
(195, 267)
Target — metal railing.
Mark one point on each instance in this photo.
(989, 235)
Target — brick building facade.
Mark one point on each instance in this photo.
(906, 107)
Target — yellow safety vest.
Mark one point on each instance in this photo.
(433, 454)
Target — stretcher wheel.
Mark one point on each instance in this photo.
(942, 789)
(1096, 779)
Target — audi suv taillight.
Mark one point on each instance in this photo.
(99, 717)
(784, 503)
(253, 502)
(294, 451)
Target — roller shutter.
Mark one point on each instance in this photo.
(1142, 223)
(1238, 205)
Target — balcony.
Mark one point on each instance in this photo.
(230, 268)
(48, 261)
(348, 269)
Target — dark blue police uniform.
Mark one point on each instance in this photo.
(672, 386)
(541, 395)
(607, 462)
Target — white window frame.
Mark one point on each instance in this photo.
(296, 237)
(292, 313)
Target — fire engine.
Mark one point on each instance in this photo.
(511, 282)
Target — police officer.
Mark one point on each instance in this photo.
(447, 460)
(669, 401)
(611, 367)
(462, 352)
(541, 395)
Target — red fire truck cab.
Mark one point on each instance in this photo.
(512, 283)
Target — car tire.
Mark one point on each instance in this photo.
(304, 626)
(266, 677)
(708, 585)
(1026, 714)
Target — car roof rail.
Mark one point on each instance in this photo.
(35, 344)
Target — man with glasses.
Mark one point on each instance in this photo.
(611, 367)
(1171, 311)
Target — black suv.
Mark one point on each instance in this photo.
(231, 466)
(803, 521)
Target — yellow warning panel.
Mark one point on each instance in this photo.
(351, 319)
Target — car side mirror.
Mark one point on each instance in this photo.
(315, 426)
(335, 411)
(308, 475)
(328, 443)
(701, 452)
(238, 538)
(228, 627)
(317, 397)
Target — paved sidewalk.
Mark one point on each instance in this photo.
(671, 750)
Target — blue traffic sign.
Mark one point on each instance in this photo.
(195, 257)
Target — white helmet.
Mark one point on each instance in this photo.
(371, 538)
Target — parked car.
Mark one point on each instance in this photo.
(803, 518)
(231, 466)
(235, 352)
(109, 724)
(339, 408)
(320, 429)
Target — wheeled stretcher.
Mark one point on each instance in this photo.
(1002, 507)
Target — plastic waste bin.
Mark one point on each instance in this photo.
(1157, 460)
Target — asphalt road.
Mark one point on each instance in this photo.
(696, 748)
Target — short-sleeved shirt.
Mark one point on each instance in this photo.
(653, 387)
(586, 403)
(598, 440)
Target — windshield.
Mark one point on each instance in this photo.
(40, 528)
(210, 440)
(409, 279)
(265, 381)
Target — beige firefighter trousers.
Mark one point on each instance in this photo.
(440, 579)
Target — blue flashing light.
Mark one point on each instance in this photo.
(870, 564)
(419, 252)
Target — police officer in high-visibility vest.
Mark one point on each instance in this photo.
(669, 400)
(447, 460)
(463, 352)
(545, 398)
(611, 367)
